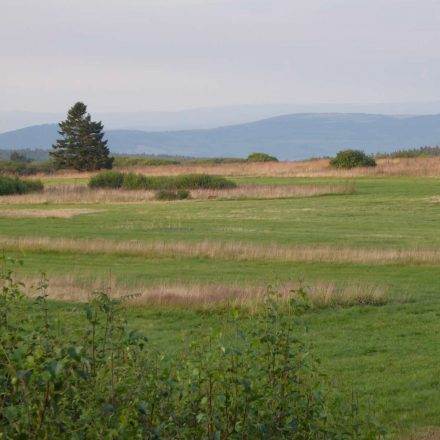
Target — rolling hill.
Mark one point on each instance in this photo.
(294, 136)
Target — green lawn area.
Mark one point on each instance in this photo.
(389, 355)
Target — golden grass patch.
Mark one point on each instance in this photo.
(226, 250)
(420, 166)
(426, 434)
(322, 294)
(45, 213)
(64, 194)
(273, 191)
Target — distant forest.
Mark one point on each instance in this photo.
(37, 155)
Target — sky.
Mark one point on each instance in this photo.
(132, 55)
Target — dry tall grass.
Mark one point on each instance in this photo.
(223, 250)
(320, 294)
(427, 434)
(273, 191)
(420, 166)
(45, 213)
(66, 194)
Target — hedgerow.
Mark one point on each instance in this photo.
(132, 181)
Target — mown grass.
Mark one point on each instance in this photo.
(385, 355)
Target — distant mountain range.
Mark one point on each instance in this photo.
(292, 136)
(212, 117)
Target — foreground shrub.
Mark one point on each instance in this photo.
(261, 157)
(166, 194)
(352, 158)
(132, 181)
(101, 379)
(10, 186)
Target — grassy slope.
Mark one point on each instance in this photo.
(390, 353)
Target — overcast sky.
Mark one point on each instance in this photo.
(120, 55)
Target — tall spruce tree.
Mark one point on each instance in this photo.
(82, 146)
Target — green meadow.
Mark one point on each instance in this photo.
(387, 355)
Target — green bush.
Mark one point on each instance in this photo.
(166, 194)
(136, 181)
(261, 157)
(10, 186)
(200, 181)
(352, 158)
(114, 179)
(102, 379)
(107, 179)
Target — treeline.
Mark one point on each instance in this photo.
(427, 151)
(31, 155)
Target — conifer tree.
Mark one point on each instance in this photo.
(82, 146)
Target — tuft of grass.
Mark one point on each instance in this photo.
(165, 194)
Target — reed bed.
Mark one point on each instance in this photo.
(321, 294)
(223, 250)
(66, 194)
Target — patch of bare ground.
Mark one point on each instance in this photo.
(420, 166)
(321, 294)
(224, 250)
(65, 194)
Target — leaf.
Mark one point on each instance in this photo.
(55, 368)
(75, 352)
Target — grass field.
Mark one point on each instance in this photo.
(384, 236)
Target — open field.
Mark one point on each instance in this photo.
(370, 259)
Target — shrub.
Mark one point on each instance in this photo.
(114, 179)
(261, 157)
(135, 181)
(352, 158)
(10, 186)
(107, 179)
(201, 181)
(166, 194)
